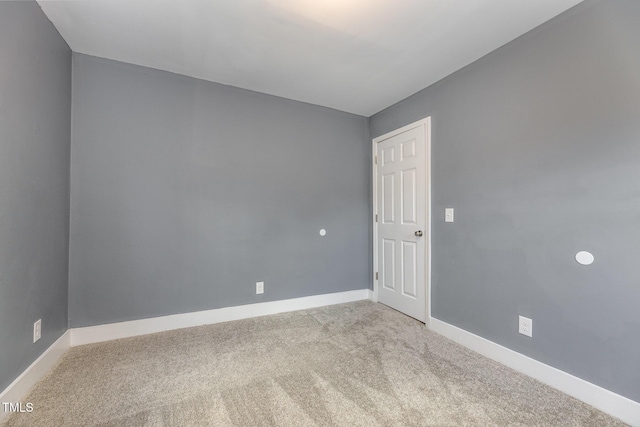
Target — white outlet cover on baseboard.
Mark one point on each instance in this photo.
(525, 326)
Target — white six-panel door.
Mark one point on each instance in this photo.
(402, 226)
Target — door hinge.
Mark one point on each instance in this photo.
(376, 160)
(376, 275)
(376, 217)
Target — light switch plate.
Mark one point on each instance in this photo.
(448, 215)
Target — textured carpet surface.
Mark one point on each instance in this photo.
(358, 364)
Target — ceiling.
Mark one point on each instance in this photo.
(359, 56)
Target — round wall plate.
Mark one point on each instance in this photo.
(584, 258)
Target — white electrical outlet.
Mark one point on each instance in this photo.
(259, 287)
(37, 330)
(525, 326)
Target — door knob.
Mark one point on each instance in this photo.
(418, 233)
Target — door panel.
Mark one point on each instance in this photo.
(387, 155)
(388, 198)
(409, 196)
(389, 264)
(408, 149)
(409, 263)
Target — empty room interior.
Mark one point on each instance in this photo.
(319, 213)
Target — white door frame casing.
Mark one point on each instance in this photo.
(426, 125)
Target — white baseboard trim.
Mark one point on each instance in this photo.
(607, 401)
(21, 386)
(114, 331)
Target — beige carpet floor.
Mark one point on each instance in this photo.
(358, 364)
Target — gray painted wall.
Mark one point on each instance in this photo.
(537, 147)
(35, 119)
(184, 193)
